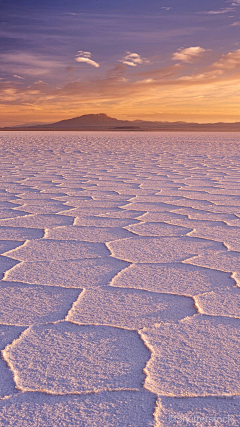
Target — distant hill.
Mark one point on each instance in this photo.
(88, 120)
(103, 122)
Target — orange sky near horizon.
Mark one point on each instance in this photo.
(168, 62)
(194, 98)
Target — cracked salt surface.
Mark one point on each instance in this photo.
(199, 356)
(89, 234)
(157, 229)
(83, 273)
(121, 408)
(200, 411)
(120, 279)
(53, 250)
(23, 304)
(66, 358)
(129, 308)
(20, 233)
(178, 278)
(160, 249)
(37, 221)
(7, 384)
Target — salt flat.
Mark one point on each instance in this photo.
(120, 277)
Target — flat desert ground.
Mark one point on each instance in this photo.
(120, 276)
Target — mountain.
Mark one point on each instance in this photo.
(87, 120)
(103, 122)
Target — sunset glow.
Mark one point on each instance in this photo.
(157, 60)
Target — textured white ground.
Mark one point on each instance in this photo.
(120, 279)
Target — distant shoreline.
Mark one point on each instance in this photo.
(117, 130)
(102, 122)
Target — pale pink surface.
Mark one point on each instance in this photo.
(122, 408)
(54, 250)
(82, 273)
(23, 304)
(200, 411)
(128, 308)
(66, 358)
(88, 234)
(161, 249)
(198, 356)
(119, 273)
(173, 278)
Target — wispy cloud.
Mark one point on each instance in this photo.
(39, 82)
(217, 12)
(28, 64)
(86, 57)
(133, 59)
(145, 81)
(202, 77)
(222, 10)
(18, 77)
(229, 61)
(188, 54)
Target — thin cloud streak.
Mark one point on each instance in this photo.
(217, 12)
(28, 64)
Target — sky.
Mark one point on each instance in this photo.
(164, 60)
